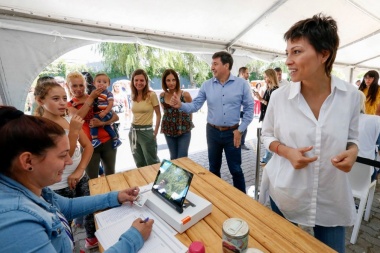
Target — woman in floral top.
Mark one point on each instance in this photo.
(176, 125)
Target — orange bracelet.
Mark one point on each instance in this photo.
(277, 148)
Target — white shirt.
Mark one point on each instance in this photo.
(369, 130)
(69, 169)
(319, 194)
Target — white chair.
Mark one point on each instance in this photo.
(362, 188)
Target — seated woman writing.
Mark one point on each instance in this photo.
(33, 217)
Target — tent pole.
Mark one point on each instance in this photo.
(351, 74)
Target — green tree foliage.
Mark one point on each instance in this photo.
(56, 68)
(123, 59)
(61, 68)
(258, 67)
(198, 71)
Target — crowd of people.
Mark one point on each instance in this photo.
(75, 134)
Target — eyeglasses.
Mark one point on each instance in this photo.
(368, 77)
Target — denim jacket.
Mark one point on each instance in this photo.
(30, 223)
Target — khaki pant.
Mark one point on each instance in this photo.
(143, 145)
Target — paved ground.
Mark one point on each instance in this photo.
(369, 234)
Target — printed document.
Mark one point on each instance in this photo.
(114, 222)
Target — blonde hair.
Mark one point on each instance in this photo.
(74, 74)
(119, 83)
(271, 74)
(43, 86)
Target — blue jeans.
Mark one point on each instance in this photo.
(179, 145)
(331, 236)
(217, 141)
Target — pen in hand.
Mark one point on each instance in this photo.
(145, 220)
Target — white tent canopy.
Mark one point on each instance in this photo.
(35, 33)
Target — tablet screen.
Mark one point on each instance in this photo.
(172, 184)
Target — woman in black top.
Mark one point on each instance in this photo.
(270, 78)
(272, 84)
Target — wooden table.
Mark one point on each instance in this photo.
(268, 231)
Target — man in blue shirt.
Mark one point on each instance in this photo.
(225, 95)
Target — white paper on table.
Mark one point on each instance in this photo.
(159, 241)
(114, 215)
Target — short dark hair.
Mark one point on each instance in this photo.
(277, 69)
(225, 57)
(23, 133)
(163, 81)
(103, 74)
(242, 70)
(321, 32)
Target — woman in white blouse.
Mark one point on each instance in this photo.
(311, 127)
(369, 131)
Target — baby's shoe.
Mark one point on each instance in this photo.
(96, 143)
(116, 143)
